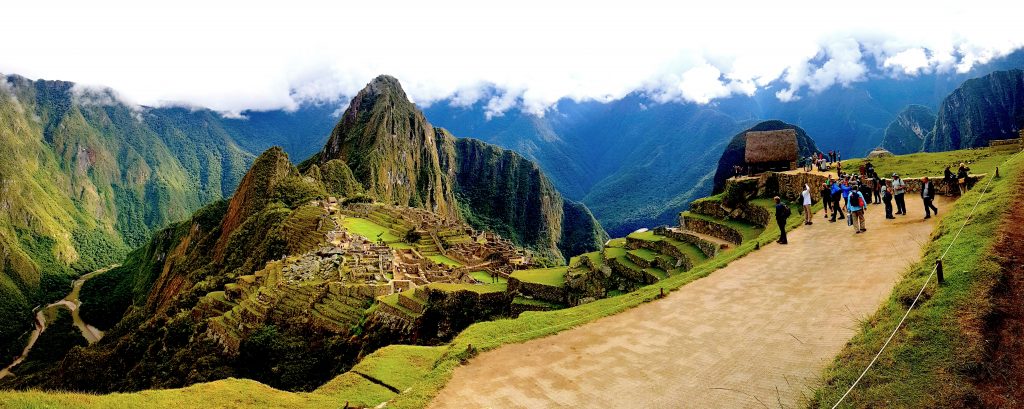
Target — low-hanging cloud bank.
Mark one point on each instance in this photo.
(232, 56)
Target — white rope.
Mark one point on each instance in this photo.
(912, 304)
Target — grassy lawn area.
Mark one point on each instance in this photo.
(399, 366)
(442, 259)
(368, 229)
(477, 288)
(485, 277)
(982, 160)
(619, 242)
(930, 360)
(535, 302)
(554, 276)
(644, 254)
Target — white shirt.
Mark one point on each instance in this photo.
(807, 197)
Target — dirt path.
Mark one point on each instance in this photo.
(756, 333)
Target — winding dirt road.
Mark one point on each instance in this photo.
(756, 333)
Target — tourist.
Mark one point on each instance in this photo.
(899, 188)
(866, 191)
(887, 198)
(826, 197)
(948, 179)
(781, 214)
(807, 204)
(856, 207)
(877, 187)
(836, 194)
(839, 169)
(845, 188)
(862, 170)
(927, 195)
(961, 178)
(839, 156)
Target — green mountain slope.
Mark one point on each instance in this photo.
(982, 109)
(400, 158)
(907, 133)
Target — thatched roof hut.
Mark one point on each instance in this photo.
(771, 147)
(879, 153)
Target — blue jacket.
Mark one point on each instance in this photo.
(846, 191)
(851, 204)
(835, 188)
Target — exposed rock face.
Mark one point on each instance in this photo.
(907, 133)
(982, 109)
(735, 151)
(385, 146)
(390, 148)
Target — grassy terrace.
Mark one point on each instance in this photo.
(368, 229)
(644, 254)
(485, 277)
(477, 288)
(554, 276)
(747, 230)
(690, 250)
(441, 259)
(930, 361)
(536, 303)
(932, 164)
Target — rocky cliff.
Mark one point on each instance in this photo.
(735, 151)
(980, 110)
(390, 148)
(397, 157)
(907, 133)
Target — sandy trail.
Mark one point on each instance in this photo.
(756, 333)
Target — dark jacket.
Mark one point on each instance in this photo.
(781, 213)
(928, 187)
(962, 173)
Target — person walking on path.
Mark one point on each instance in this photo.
(837, 193)
(807, 204)
(961, 178)
(844, 187)
(856, 206)
(887, 198)
(899, 188)
(927, 195)
(826, 197)
(781, 214)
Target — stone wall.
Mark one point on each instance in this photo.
(941, 187)
(708, 248)
(712, 208)
(712, 229)
(585, 285)
(1009, 142)
(538, 291)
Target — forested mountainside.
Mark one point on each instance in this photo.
(907, 133)
(400, 158)
(87, 177)
(980, 110)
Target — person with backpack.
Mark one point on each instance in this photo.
(887, 198)
(877, 187)
(856, 205)
(961, 178)
(806, 196)
(927, 195)
(899, 188)
(837, 193)
(782, 213)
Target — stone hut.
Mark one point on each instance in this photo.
(879, 152)
(771, 150)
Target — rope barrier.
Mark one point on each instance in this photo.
(970, 216)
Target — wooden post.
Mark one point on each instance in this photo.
(662, 293)
(938, 269)
(997, 171)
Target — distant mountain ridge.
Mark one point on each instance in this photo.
(980, 110)
(907, 133)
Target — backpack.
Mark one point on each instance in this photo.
(786, 212)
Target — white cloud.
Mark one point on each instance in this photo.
(231, 56)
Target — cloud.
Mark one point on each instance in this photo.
(232, 56)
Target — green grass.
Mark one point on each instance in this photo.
(485, 277)
(442, 259)
(368, 229)
(932, 164)
(536, 302)
(644, 254)
(619, 242)
(554, 276)
(399, 366)
(477, 288)
(929, 361)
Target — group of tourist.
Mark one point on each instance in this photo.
(848, 196)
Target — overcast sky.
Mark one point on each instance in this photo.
(231, 56)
